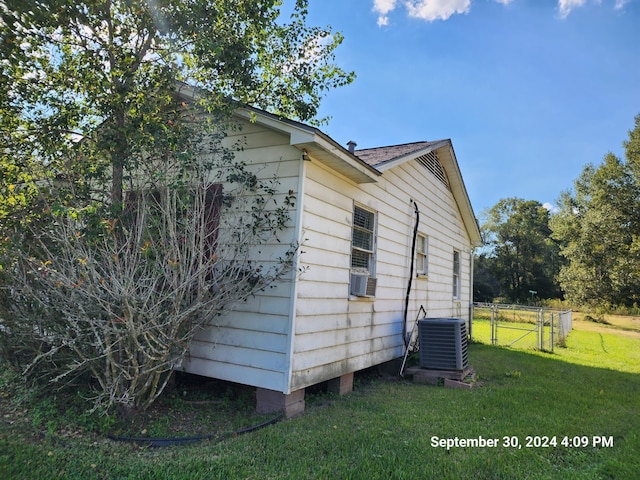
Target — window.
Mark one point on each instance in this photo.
(363, 241)
(422, 248)
(363, 245)
(456, 274)
(145, 205)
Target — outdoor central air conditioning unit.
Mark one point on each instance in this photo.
(443, 343)
(363, 286)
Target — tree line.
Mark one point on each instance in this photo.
(587, 251)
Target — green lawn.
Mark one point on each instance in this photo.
(588, 344)
(516, 334)
(589, 390)
(516, 328)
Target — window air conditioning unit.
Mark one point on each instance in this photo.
(363, 286)
(443, 343)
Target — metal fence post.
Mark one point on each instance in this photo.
(541, 329)
(494, 329)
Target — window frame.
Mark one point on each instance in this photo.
(456, 274)
(370, 269)
(209, 228)
(422, 255)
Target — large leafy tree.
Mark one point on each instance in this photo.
(521, 254)
(93, 105)
(69, 66)
(598, 226)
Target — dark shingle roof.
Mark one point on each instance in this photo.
(377, 156)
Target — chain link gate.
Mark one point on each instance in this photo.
(525, 327)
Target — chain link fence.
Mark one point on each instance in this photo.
(521, 326)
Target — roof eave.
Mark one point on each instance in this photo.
(444, 149)
(393, 162)
(317, 144)
(459, 191)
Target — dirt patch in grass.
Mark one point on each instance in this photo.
(609, 327)
(194, 407)
(624, 322)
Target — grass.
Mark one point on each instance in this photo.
(384, 429)
(518, 334)
(589, 343)
(617, 322)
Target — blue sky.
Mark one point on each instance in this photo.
(529, 91)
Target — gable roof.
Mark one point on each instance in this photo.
(381, 155)
(384, 158)
(364, 165)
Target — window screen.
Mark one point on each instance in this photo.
(363, 240)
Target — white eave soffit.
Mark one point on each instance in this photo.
(339, 159)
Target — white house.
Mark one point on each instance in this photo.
(355, 218)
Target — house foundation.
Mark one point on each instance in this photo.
(341, 385)
(270, 401)
(451, 378)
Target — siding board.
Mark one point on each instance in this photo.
(251, 344)
(335, 333)
(230, 354)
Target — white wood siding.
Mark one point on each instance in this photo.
(251, 345)
(337, 334)
(309, 329)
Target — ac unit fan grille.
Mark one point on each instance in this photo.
(443, 344)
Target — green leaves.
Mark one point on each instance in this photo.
(100, 99)
(522, 255)
(105, 73)
(598, 226)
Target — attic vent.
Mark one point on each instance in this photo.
(443, 343)
(430, 162)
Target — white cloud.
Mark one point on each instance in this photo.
(620, 4)
(431, 10)
(383, 7)
(550, 207)
(565, 6)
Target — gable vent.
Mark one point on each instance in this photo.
(430, 162)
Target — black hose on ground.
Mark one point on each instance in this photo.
(170, 441)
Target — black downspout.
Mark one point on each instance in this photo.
(413, 254)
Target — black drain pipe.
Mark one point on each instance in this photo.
(413, 255)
